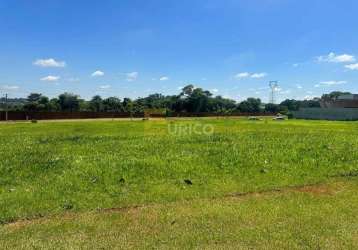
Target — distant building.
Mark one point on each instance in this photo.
(343, 101)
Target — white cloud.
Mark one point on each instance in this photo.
(50, 78)
(164, 78)
(295, 65)
(46, 63)
(284, 92)
(73, 79)
(105, 86)
(333, 58)
(299, 86)
(9, 87)
(329, 83)
(344, 58)
(247, 74)
(333, 82)
(214, 90)
(308, 97)
(352, 66)
(98, 73)
(258, 75)
(242, 75)
(132, 76)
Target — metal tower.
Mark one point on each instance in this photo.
(273, 87)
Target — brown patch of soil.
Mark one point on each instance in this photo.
(315, 189)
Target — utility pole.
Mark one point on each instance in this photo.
(6, 108)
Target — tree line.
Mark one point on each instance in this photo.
(190, 99)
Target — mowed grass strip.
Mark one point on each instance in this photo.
(321, 216)
(49, 168)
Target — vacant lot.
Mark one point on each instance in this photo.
(188, 183)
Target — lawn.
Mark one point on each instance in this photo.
(152, 183)
(318, 217)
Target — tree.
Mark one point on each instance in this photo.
(194, 99)
(43, 104)
(333, 95)
(272, 108)
(315, 103)
(54, 105)
(187, 90)
(221, 105)
(95, 103)
(293, 105)
(112, 104)
(34, 97)
(69, 102)
(33, 102)
(154, 101)
(251, 105)
(290, 104)
(127, 105)
(198, 101)
(190, 99)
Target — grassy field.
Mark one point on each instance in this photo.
(122, 184)
(318, 217)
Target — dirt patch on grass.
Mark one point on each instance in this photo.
(120, 209)
(39, 220)
(314, 189)
(317, 190)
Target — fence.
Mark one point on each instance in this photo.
(16, 116)
(208, 114)
(23, 116)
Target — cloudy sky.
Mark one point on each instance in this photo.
(133, 48)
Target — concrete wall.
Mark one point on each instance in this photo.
(333, 114)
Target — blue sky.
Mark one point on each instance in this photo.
(133, 48)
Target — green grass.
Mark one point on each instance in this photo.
(322, 217)
(48, 169)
